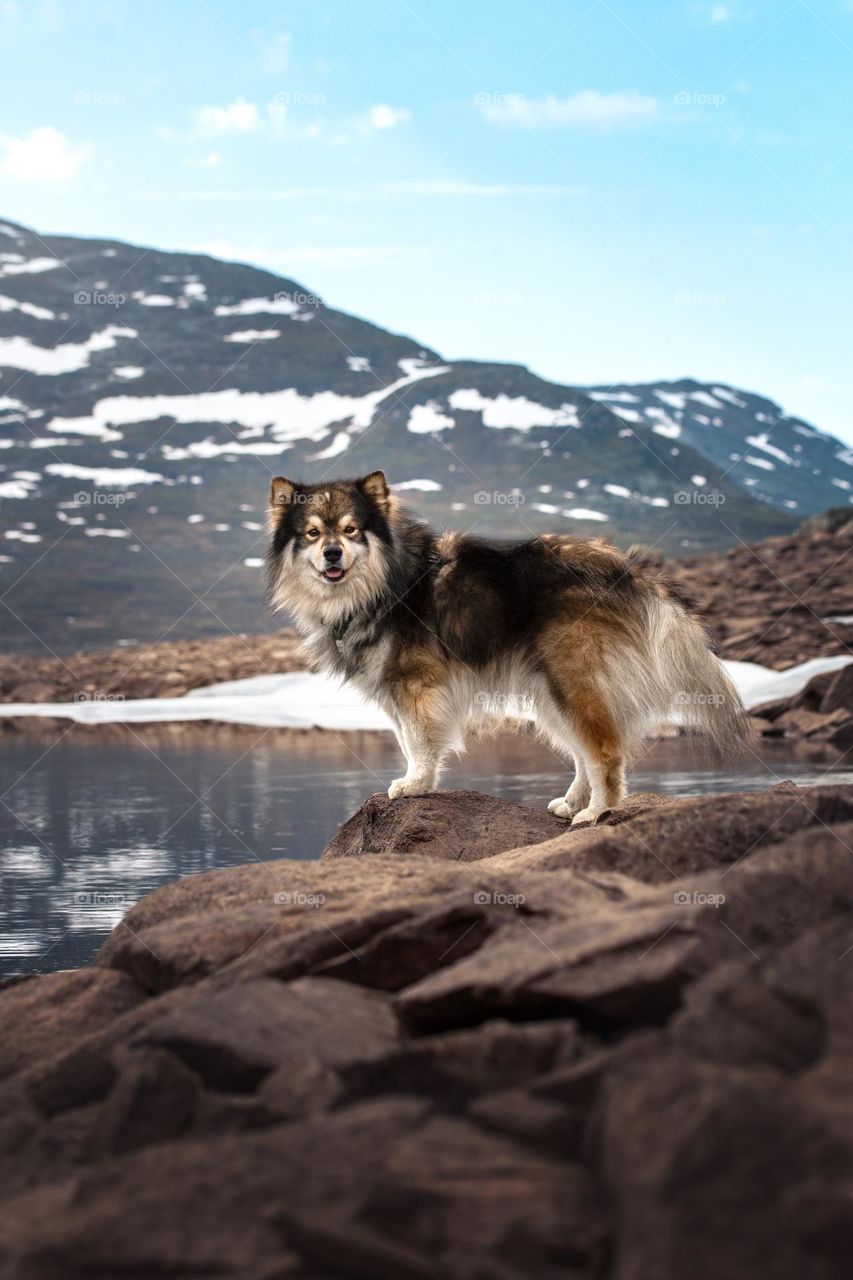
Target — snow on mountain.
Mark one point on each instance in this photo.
(146, 399)
(799, 468)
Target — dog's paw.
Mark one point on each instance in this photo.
(409, 787)
(587, 815)
(562, 808)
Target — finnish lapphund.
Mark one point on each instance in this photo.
(442, 630)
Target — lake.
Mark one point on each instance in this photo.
(91, 821)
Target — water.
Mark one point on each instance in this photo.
(90, 823)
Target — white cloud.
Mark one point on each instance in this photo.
(382, 116)
(588, 107)
(237, 118)
(42, 155)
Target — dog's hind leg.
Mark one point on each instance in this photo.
(578, 795)
(605, 765)
(580, 715)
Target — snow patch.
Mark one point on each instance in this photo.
(68, 357)
(27, 308)
(289, 415)
(104, 477)
(762, 442)
(584, 513)
(258, 306)
(340, 443)
(32, 267)
(512, 412)
(428, 417)
(253, 335)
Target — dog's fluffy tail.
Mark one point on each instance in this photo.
(691, 682)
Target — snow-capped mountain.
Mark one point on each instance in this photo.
(780, 459)
(146, 398)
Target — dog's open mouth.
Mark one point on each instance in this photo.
(333, 573)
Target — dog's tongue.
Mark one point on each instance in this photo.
(334, 573)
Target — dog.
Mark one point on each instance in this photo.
(437, 629)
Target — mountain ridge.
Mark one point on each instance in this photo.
(146, 397)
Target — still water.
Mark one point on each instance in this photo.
(90, 823)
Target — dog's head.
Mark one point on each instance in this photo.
(329, 545)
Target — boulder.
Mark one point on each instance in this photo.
(42, 1015)
(622, 1051)
(461, 826)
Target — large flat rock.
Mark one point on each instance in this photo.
(622, 1051)
(461, 826)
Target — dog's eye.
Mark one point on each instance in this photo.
(312, 533)
(350, 530)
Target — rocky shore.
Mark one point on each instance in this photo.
(165, 670)
(469, 1042)
(780, 601)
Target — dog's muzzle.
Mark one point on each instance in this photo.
(333, 571)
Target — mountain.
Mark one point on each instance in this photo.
(146, 398)
(781, 460)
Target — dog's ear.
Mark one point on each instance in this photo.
(375, 486)
(282, 492)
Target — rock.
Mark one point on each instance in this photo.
(602, 1051)
(427, 1194)
(233, 1038)
(40, 1016)
(838, 695)
(461, 826)
(822, 711)
(739, 1131)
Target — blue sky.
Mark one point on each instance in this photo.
(604, 191)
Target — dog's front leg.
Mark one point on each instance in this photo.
(423, 759)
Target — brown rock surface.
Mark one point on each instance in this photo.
(771, 601)
(163, 670)
(821, 712)
(462, 826)
(622, 1051)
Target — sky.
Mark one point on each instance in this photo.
(603, 191)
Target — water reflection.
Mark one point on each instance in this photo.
(90, 822)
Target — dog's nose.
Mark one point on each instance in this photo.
(332, 553)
